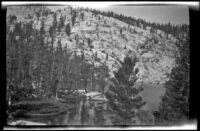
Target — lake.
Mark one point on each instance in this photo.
(151, 94)
(94, 112)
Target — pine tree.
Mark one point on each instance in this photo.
(89, 42)
(62, 21)
(74, 15)
(68, 29)
(58, 68)
(104, 75)
(42, 31)
(106, 56)
(37, 15)
(99, 18)
(54, 21)
(174, 104)
(51, 31)
(122, 96)
(120, 31)
(82, 16)
(59, 27)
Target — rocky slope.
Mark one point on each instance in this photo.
(155, 51)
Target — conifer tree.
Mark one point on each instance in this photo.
(59, 27)
(82, 16)
(120, 31)
(68, 29)
(122, 96)
(51, 31)
(54, 21)
(89, 42)
(62, 21)
(74, 15)
(37, 15)
(42, 31)
(174, 104)
(106, 56)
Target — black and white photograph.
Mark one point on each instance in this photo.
(97, 65)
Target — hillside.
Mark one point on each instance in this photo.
(87, 65)
(154, 50)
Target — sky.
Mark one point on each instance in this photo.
(158, 14)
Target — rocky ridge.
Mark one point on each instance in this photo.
(155, 51)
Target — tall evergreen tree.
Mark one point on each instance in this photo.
(62, 21)
(122, 96)
(54, 21)
(120, 31)
(51, 31)
(175, 102)
(82, 16)
(68, 29)
(37, 15)
(42, 31)
(59, 27)
(74, 15)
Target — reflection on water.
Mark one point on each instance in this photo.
(82, 111)
(85, 112)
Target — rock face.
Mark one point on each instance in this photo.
(155, 52)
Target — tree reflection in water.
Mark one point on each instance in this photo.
(99, 117)
(84, 112)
